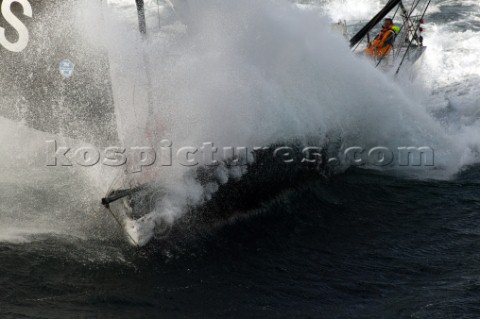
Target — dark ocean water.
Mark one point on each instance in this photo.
(363, 246)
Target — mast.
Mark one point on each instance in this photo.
(143, 30)
(141, 16)
(372, 23)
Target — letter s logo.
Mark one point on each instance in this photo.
(16, 24)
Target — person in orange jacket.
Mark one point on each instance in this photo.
(383, 42)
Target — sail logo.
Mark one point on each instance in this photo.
(23, 36)
(66, 68)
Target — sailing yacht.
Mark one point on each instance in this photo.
(408, 46)
(109, 99)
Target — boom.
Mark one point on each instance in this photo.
(371, 24)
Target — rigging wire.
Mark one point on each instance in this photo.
(411, 41)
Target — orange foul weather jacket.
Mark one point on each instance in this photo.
(382, 44)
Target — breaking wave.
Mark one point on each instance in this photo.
(249, 73)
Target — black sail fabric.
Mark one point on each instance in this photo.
(33, 90)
